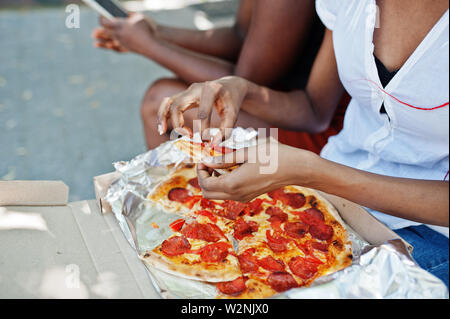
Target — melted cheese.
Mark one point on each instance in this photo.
(193, 258)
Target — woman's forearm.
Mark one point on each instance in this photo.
(188, 65)
(310, 110)
(418, 200)
(292, 111)
(224, 43)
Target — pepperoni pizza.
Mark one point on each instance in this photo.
(278, 241)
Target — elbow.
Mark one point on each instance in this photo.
(319, 125)
(239, 33)
(321, 117)
(313, 126)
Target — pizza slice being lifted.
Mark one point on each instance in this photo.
(199, 151)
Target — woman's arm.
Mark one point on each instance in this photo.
(418, 200)
(267, 53)
(224, 43)
(309, 110)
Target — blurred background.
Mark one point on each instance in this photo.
(67, 109)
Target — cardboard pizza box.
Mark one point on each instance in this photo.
(54, 249)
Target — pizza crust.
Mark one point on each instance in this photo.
(217, 273)
(256, 289)
(196, 151)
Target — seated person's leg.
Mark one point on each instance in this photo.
(159, 90)
(430, 249)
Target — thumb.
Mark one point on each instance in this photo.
(109, 24)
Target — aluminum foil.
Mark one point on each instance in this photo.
(384, 271)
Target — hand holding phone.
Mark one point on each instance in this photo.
(137, 34)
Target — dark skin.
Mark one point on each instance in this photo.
(404, 24)
(258, 47)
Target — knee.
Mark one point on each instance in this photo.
(155, 94)
(152, 99)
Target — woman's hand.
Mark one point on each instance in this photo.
(225, 94)
(126, 34)
(264, 168)
(104, 40)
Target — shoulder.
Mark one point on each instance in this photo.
(328, 10)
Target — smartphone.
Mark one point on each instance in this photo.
(110, 9)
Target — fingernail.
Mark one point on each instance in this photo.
(160, 129)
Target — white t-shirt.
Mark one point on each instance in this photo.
(411, 139)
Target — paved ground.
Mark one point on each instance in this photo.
(68, 110)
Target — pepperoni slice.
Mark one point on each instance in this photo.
(194, 183)
(277, 247)
(243, 229)
(275, 224)
(276, 214)
(175, 246)
(232, 288)
(215, 252)
(207, 232)
(248, 262)
(296, 229)
(295, 200)
(208, 214)
(215, 229)
(233, 209)
(321, 231)
(192, 200)
(302, 268)
(255, 207)
(270, 202)
(276, 194)
(281, 281)
(311, 216)
(277, 244)
(178, 194)
(192, 230)
(320, 246)
(206, 203)
(271, 264)
(176, 225)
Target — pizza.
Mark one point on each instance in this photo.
(280, 240)
(197, 151)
